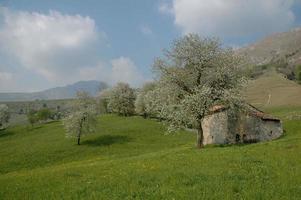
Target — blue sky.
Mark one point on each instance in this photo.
(49, 43)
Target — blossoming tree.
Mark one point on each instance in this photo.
(82, 119)
(195, 75)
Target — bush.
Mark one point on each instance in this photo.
(44, 114)
(32, 117)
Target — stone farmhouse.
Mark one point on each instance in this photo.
(253, 125)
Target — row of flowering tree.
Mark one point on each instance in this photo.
(194, 75)
(82, 118)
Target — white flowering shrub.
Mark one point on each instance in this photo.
(82, 119)
(4, 116)
(122, 99)
(140, 103)
(103, 100)
(195, 75)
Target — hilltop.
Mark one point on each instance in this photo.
(278, 45)
(273, 89)
(66, 92)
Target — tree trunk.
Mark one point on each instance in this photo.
(200, 137)
(78, 139)
(80, 130)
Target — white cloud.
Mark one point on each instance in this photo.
(124, 70)
(101, 71)
(231, 18)
(165, 8)
(6, 80)
(46, 50)
(51, 45)
(146, 30)
(121, 69)
(5, 76)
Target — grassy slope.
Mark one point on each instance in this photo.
(130, 158)
(283, 92)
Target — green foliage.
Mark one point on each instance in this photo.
(44, 114)
(278, 64)
(32, 117)
(131, 158)
(39, 116)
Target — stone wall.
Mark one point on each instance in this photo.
(225, 128)
(215, 128)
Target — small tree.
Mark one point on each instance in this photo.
(195, 75)
(140, 103)
(103, 100)
(44, 114)
(122, 99)
(32, 117)
(4, 116)
(157, 101)
(82, 119)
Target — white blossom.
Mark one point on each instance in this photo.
(140, 103)
(195, 75)
(122, 99)
(82, 119)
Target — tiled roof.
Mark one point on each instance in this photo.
(253, 111)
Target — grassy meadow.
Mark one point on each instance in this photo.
(273, 90)
(132, 158)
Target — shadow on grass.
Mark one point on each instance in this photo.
(106, 140)
(5, 133)
(231, 145)
(280, 138)
(32, 128)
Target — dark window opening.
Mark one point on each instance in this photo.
(237, 138)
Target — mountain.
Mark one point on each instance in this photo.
(66, 92)
(279, 51)
(286, 45)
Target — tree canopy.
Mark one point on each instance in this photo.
(140, 103)
(194, 75)
(82, 119)
(122, 99)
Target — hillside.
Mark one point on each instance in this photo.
(131, 158)
(273, 89)
(278, 45)
(66, 92)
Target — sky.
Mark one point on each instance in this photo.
(51, 43)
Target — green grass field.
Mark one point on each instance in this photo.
(131, 158)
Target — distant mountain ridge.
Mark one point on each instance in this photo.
(66, 92)
(285, 45)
